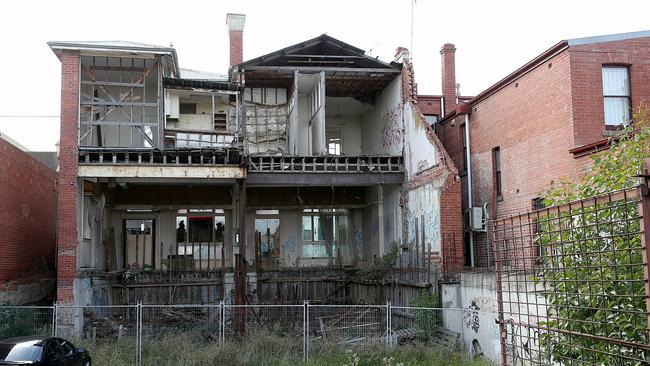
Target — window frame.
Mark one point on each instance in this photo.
(312, 213)
(497, 175)
(610, 126)
(463, 138)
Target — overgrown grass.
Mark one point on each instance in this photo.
(266, 349)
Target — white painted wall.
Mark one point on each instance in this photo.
(476, 294)
(381, 128)
(419, 153)
(424, 208)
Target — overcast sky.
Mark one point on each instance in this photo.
(492, 38)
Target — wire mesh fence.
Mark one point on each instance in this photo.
(170, 334)
(572, 282)
(17, 321)
(275, 330)
(348, 326)
(111, 330)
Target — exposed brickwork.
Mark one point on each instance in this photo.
(236, 47)
(67, 238)
(530, 121)
(28, 225)
(586, 82)
(448, 58)
(535, 119)
(450, 196)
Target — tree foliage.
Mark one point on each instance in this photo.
(592, 265)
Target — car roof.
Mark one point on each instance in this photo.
(16, 340)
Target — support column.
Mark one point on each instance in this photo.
(380, 218)
(67, 231)
(241, 270)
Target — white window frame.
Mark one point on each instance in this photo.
(615, 96)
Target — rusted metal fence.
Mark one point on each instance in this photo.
(572, 282)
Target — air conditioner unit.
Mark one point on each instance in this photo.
(477, 219)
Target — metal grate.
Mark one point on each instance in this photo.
(571, 282)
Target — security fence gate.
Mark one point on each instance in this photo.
(572, 282)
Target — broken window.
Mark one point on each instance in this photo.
(319, 233)
(200, 238)
(138, 243)
(334, 146)
(187, 108)
(119, 102)
(268, 230)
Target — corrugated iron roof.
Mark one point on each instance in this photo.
(202, 75)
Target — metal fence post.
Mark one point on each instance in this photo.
(644, 213)
(54, 320)
(138, 334)
(222, 308)
(305, 330)
(389, 325)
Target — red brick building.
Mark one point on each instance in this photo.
(27, 226)
(540, 123)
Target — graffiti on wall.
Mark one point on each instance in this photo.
(486, 303)
(425, 214)
(471, 317)
(358, 241)
(522, 342)
(391, 129)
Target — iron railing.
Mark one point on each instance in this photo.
(572, 282)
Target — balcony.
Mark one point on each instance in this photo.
(324, 170)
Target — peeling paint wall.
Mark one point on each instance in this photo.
(424, 211)
(419, 153)
(381, 128)
(477, 296)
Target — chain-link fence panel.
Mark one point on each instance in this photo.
(17, 321)
(108, 333)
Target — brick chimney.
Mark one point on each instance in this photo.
(448, 56)
(235, 24)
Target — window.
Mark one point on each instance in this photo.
(616, 95)
(464, 138)
(268, 231)
(334, 146)
(496, 163)
(187, 108)
(431, 119)
(318, 228)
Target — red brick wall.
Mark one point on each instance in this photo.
(451, 228)
(448, 60)
(429, 104)
(67, 239)
(530, 120)
(236, 47)
(28, 224)
(586, 79)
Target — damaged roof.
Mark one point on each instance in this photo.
(202, 75)
(169, 53)
(322, 51)
(349, 71)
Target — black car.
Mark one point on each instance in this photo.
(44, 351)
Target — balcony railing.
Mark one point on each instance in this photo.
(167, 157)
(326, 164)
